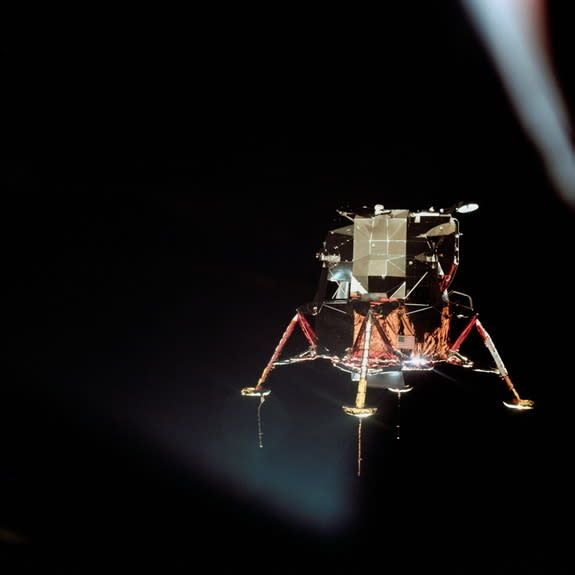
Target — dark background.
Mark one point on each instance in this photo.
(165, 197)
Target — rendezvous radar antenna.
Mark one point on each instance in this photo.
(391, 310)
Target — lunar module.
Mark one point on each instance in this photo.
(390, 308)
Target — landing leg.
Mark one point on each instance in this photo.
(516, 402)
(259, 390)
(359, 410)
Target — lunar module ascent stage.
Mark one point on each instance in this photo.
(390, 310)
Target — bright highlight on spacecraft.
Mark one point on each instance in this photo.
(391, 310)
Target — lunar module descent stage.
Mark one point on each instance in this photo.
(392, 310)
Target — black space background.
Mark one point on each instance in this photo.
(167, 184)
